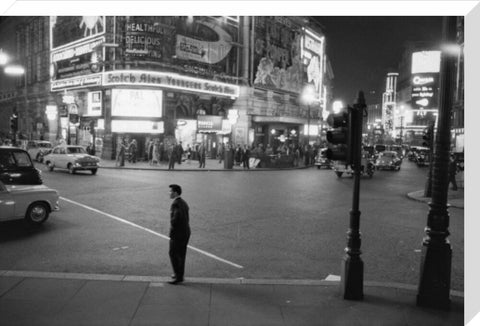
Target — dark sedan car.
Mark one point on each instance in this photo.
(16, 167)
(388, 160)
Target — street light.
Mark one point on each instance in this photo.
(308, 96)
(17, 70)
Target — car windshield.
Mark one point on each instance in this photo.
(45, 145)
(22, 159)
(76, 150)
(388, 155)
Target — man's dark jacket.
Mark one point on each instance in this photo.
(179, 220)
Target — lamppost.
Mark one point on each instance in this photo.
(307, 97)
(436, 263)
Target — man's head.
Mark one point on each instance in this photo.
(175, 190)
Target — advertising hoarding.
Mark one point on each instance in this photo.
(137, 102)
(69, 30)
(169, 80)
(209, 123)
(277, 62)
(425, 91)
(75, 50)
(200, 45)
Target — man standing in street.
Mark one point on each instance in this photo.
(452, 171)
(179, 233)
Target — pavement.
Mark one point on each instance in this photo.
(40, 298)
(47, 298)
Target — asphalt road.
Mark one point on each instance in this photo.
(287, 224)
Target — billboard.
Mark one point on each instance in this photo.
(75, 49)
(69, 30)
(424, 91)
(209, 123)
(137, 103)
(426, 61)
(277, 54)
(199, 45)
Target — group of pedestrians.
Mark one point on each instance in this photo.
(126, 151)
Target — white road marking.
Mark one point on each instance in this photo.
(149, 231)
(333, 278)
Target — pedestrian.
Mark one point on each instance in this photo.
(246, 157)
(155, 152)
(121, 153)
(150, 151)
(452, 171)
(179, 233)
(189, 154)
(179, 152)
(221, 152)
(171, 157)
(132, 149)
(201, 155)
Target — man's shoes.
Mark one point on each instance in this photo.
(175, 281)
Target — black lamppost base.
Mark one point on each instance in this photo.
(434, 287)
(352, 278)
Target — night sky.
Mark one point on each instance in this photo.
(362, 50)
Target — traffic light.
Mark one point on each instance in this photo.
(428, 137)
(340, 136)
(14, 123)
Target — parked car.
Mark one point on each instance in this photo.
(34, 203)
(37, 149)
(71, 157)
(16, 167)
(321, 159)
(388, 160)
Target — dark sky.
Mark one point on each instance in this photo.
(362, 50)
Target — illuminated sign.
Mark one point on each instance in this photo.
(169, 80)
(75, 60)
(51, 112)
(76, 82)
(424, 91)
(94, 103)
(211, 52)
(426, 61)
(138, 126)
(137, 103)
(209, 123)
(68, 30)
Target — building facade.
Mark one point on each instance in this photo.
(235, 79)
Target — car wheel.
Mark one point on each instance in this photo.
(37, 213)
(50, 166)
(398, 168)
(94, 171)
(71, 170)
(339, 174)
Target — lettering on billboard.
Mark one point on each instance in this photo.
(166, 80)
(199, 45)
(424, 91)
(76, 60)
(145, 38)
(205, 51)
(209, 123)
(76, 82)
